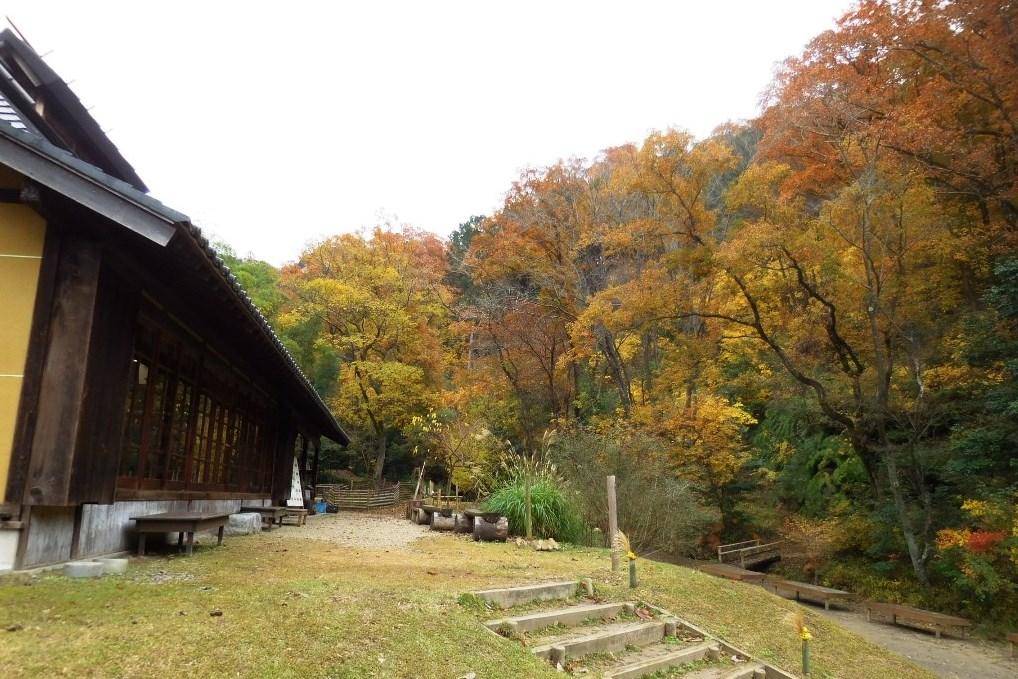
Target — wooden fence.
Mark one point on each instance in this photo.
(346, 497)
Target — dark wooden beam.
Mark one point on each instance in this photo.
(63, 380)
(28, 408)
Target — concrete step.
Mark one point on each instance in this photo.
(611, 638)
(508, 597)
(748, 671)
(726, 672)
(568, 616)
(656, 660)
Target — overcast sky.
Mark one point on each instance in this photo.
(272, 125)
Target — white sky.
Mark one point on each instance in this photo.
(272, 125)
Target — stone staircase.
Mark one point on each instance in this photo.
(562, 624)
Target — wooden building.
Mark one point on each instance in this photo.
(136, 376)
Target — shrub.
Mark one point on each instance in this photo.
(658, 511)
(552, 511)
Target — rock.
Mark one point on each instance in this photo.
(215, 612)
(113, 566)
(83, 569)
(247, 523)
(14, 628)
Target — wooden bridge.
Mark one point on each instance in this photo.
(749, 553)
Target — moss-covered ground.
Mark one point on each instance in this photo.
(271, 605)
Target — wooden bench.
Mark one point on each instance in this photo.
(271, 516)
(901, 614)
(184, 523)
(723, 570)
(473, 513)
(1012, 640)
(298, 513)
(805, 591)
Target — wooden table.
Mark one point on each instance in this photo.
(900, 613)
(296, 512)
(803, 590)
(271, 516)
(179, 522)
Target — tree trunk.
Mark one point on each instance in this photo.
(379, 455)
(916, 552)
(617, 367)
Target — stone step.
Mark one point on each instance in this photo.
(726, 672)
(607, 639)
(517, 596)
(634, 667)
(747, 671)
(568, 616)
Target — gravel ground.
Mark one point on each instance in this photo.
(947, 657)
(369, 531)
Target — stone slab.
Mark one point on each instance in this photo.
(571, 615)
(113, 566)
(515, 596)
(247, 523)
(83, 569)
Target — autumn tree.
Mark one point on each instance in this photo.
(380, 302)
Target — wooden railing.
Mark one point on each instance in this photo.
(749, 552)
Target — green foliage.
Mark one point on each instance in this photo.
(657, 510)
(527, 489)
(553, 514)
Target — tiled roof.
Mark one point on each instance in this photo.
(9, 115)
(14, 127)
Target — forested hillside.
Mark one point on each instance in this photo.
(803, 326)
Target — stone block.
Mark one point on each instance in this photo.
(113, 566)
(83, 569)
(247, 523)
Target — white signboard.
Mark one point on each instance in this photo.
(296, 498)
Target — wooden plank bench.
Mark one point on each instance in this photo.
(1012, 641)
(184, 523)
(474, 512)
(803, 591)
(902, 614)
(299, 514)
(271, 516)
(723, 570)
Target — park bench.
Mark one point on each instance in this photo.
(299, 514)
(473, 513)
(1012, 639)
(804, 591)
(271, 516)
(184, 523)
(723, 570)
(902, 615)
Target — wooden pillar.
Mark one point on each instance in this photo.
(62, 384)
(613, 522)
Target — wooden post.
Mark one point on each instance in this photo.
(419, 479)
(613, 522)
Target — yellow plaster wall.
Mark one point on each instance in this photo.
(22, 232)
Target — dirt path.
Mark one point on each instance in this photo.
(949, 658)
(369, 531)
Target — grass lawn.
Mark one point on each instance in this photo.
(305, 608)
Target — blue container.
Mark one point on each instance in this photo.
(320, 507)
